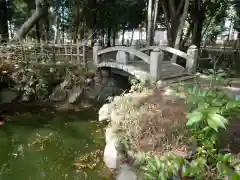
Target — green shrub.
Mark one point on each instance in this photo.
(209, 111)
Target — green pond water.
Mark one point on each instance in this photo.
(54, 146)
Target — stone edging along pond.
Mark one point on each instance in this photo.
(118, 113)
(123, 112)
(115, 156)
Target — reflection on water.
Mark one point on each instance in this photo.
(52, 146)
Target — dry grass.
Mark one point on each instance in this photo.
(153, 122)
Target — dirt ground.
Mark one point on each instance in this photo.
(162, 125)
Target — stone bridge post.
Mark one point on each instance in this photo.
(193, 52)
(156, 59)
(97, 47)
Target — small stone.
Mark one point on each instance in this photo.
(104, 72)
(105, 112)
(126, 173)
(88, 80)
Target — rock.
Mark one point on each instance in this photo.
(110, 156)
(75, 94)
(104, 72)
(64, 84)
(7, 96)
(126, 173)
(117, 99)
(25, 97)
(58, 94)
(89, 81)
(113, 156)
(110, 133)
(105, 112)
(117, 117)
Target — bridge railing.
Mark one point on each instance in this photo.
(155, 60)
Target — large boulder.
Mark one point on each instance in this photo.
(7, 96)
(59, 93)
(75, 94)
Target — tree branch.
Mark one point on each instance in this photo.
(180, 7)
(172, 7)
(180, 28)
(41, 10)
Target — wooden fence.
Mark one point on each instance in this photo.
(75, 54)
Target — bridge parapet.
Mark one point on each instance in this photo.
(191, 56)
(152, 66)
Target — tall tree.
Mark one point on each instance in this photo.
(150, 23)
(3, 21)
(173, 10)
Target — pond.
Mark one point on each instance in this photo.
(53, 145)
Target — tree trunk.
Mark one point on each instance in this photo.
(63, 28)
(186, 38)
(132, 37)
(180, 28)
(57, 37)
(41, 10)
(103, 37)
(109, 37)
(155, 16)
(11, 29)
(3, 21)
(77, 22)
(123, 32)
(47, 23)
(114, 37)
(150, 23)
(94, 21)
(197, 18)
(197, 33)
(38, 33)
(181, 25)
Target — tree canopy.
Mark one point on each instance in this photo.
(78, 19)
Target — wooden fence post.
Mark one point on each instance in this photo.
(78, 52)
(156, 59)
(97, 47)
(65, 50)
(193, 52)
(84, 53)
(71, 51)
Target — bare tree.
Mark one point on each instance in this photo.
(3, 21)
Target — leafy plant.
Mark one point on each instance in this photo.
(137, 85)
(209, 111)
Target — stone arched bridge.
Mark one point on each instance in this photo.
(146, 67)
